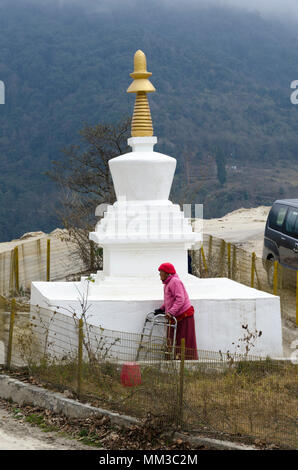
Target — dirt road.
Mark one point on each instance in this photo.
(17, 434)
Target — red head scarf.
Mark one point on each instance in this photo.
(167, 268)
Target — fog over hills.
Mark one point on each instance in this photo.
(278, 9)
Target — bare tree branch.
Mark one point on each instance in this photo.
(85, 181)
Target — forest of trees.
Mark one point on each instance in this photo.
(222, 78)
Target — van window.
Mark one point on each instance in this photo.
(291, 225)
(277, 216)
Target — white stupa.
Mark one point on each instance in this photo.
(143, 229)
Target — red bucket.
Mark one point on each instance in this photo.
(130, 374)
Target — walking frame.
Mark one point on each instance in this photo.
(151, 321)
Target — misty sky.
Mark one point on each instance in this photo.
(288, 8)
(283, 9)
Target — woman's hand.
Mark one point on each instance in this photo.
(159, 311)
(168, 315)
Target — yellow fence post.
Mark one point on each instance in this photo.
(258, 279)
(297, 298)
(48, 259)
(11, 326)
(280, 274)
(222, 257)
(16, 268)
(80, 356)
(204, 259)
(200, 262)
(181, 387)
(253, 267)
(275, 277)
(210, 249)
(234, 263)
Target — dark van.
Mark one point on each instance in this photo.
(281, 236)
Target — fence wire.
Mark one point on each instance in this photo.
(32, 260)
(247, 397)
(221, 259)
(244, 396)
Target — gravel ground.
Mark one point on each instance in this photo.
(80, 434)
(17, 434)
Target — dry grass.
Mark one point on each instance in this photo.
(249, 399)
(101, 385)
(257, 399)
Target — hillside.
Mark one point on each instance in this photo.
(223, 82)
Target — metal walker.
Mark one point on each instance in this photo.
(151, 321)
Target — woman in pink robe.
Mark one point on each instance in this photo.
(177, 304)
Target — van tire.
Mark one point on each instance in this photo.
(270, 271)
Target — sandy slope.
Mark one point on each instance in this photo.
(243, 227)
(31, 236)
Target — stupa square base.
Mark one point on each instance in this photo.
(221, 306)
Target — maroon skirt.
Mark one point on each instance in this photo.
(186, 330)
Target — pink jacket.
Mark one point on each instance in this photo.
(176, 300)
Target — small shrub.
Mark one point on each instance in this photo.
(258, 369)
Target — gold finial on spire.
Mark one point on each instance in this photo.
(141, 121)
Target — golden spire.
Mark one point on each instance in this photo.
(141, 121)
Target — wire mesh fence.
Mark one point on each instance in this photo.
(249, 397)
(97, 365)
(255, 398)
(42, 259)
(218, 258)
(240, 395)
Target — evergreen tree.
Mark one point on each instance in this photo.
(220, 159)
